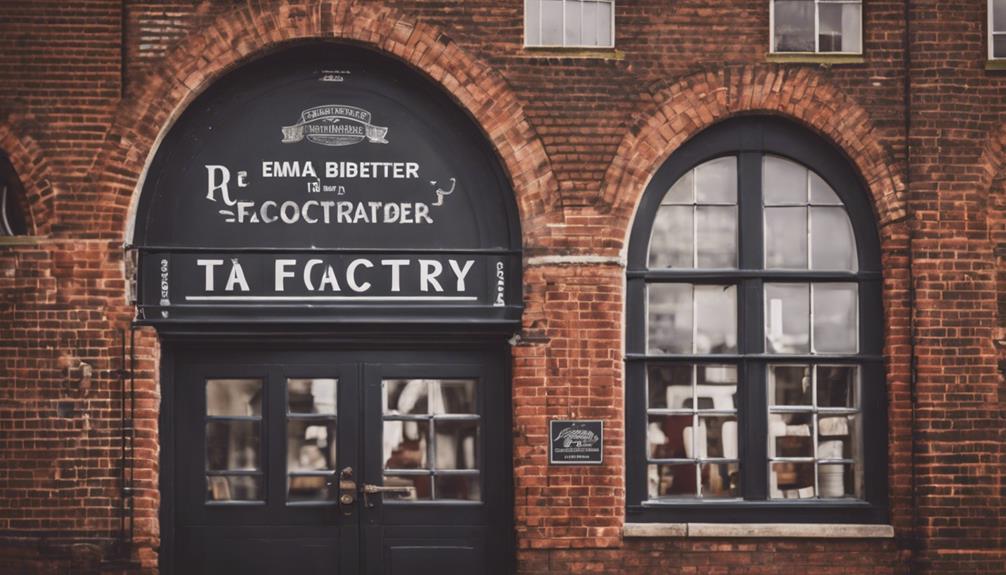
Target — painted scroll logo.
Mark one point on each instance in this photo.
(335, 125)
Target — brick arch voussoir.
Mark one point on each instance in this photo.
(253, 30)
(696, 102)
(30, 163)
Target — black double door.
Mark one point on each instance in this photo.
(327, 462)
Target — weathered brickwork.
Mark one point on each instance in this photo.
(88, 86)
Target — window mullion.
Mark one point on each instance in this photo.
(750, 229)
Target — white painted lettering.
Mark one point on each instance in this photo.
(237, 276)
(460, 272)
(351, 275)
(429, 270)
(329, 279)
(396, 266)
(282, 273)
(217, 178)
(209, 265)
(307, 273)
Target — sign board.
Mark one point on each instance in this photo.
(575, 442)
(326, 182)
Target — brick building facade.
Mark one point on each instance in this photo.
(90, 88)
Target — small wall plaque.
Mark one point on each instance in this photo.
(575, 442)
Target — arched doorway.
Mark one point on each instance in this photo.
(330, 252)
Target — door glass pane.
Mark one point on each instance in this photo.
(406, 444)
(789, 385)
(836, 311)
(669, 386)
(837, 386)
(462, 487)
(682, 192)
(406, 396)
(452, 396)
(417, 487)
(234, 488)
(794, 25)
(314, 487)
(787, 318)
(232, 445)
(233, 397)
(791, 435)
(456, 443)
(311, 396)
(821, 194)
(310, 445)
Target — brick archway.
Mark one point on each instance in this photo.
(32, 168)
(245, 33)
(701, 100)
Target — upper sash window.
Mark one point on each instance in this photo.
(817, 26)
(569, 23)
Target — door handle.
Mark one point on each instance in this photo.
(347, 489)
(369, 490)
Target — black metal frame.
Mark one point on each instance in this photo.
(749, 138)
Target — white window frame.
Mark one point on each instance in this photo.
(817, 28)
(611, 40)
(993, 32)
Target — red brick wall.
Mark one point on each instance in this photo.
(86, 87)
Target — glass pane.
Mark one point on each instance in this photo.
(784, 181)
(311, 396)
(682, 192)
(605, 36)
(999, 15)
(419, 484)
(999, 46)
(532, 22)
(573, 24)
(405, 444)
(821, 194)
(669, 318)
(787, 318)
(310, 445)
(592, 12)
(789, 385)
(406, 396)
(551, 22)
(232, 445)
(838, 437)
(672, 480)
(716, 387)
(452, 396)
(835, 313)
(463, 487)
(233, 397)
(832, 243)
(838, 480)
(792, 480)
(716, 231)
(669, 386)
(671, 239)
(717, 437)
(716, 319)
(670, 436)
(839, 28)
(791, 435)
(456, 446)
(716, 181)
(720, 480)
(233, 488)
(794, 25)
(837, 386)
(310, 487)
(786, 238)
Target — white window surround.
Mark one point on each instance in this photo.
(992, 32)
(817, 23)
(537, 5)
(766, 530)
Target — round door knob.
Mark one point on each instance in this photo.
(346, 499)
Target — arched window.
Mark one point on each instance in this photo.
(12, 222)
(755, 381)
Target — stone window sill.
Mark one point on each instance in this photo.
(824, 60)
(578, 52)
(765, 530)
(997, 64)
(21, 240)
